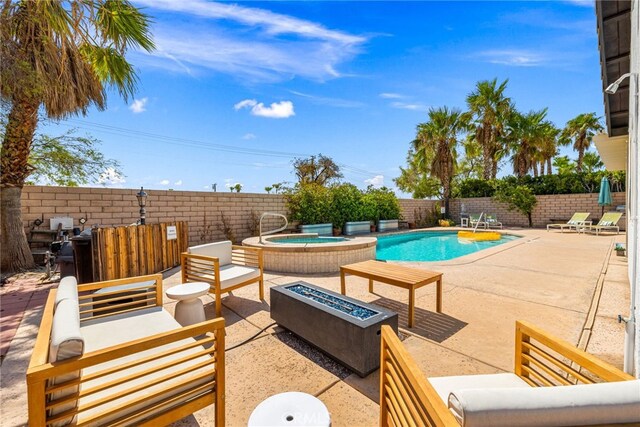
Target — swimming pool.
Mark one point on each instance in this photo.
(430, 246)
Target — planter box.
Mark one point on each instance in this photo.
(356, 227)
(388, 225)
(350, 340)
(319, 229)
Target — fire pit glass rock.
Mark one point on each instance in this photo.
(340, 303)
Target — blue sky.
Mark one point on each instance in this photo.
(235, 91)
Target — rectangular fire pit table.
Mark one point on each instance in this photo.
(396, 275)
(346, 329)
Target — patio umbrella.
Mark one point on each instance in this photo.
(604, 198)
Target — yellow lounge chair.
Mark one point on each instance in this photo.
(579, 219)
(609, 221)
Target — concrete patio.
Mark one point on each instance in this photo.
(570, 284)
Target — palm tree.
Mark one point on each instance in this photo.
(489, 108)
(548, 147)
(62, 56)
(436, 143)
(525, 132)
(581, 129)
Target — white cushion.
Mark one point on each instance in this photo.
(221, 250)
(66, 342)
(126, 327)
(445, 385)
(604, 403)
(231, 275)
(68, 288)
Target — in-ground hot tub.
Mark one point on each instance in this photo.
(307, 253)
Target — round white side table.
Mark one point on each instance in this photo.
(189, 309)
(290, 409)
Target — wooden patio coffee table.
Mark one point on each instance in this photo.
(396, 275)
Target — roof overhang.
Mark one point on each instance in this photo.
(614, 40)
(613, 151)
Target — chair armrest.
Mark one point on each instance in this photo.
(247, 255)
(200, 268)
(119, 300)
(542, 359)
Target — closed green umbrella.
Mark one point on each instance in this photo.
(604, 198)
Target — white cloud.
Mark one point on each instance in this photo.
(409, 106)
(178, 182)
(249, 136)
(387, 95)
(139, 105)
(164, 182)
(277, 110)
(513, 57)
(376, 181)
(111, 178)
(249, 43)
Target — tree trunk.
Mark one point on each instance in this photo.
(579, 161)
(541, 167)
(549, 169)
(534, 167)
(494, 168)
(16, 254)
(14, 165)
(487, 152)
(530, 220)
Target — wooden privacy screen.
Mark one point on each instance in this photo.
(136, 250)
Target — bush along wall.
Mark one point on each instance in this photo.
(315, 204)
(575, 183)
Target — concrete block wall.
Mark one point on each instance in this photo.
(550, 208)
(203, 211)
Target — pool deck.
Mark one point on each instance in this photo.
(570, 284)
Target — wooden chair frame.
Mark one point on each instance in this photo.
(201, 268)
(408, 399)
(210, 334)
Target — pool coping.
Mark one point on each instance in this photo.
(351, 243)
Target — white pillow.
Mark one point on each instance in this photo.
(604, 403)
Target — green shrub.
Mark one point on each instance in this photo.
(345, 204)
(388, 205)
(309, 204)
(518, 197)
(573, 183)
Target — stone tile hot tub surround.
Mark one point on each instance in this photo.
(311, 258)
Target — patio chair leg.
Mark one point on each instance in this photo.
(261, 288)
(371, 285)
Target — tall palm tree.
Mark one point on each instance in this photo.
(62, 56)
(436, 143)
(548, 147)
(489, 107)
(525, 132)
(581, 130)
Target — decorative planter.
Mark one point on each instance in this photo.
(356, 227)
(388, 225)
(620, 253)
(320, 229)
(346, 329)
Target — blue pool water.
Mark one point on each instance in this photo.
(308, 240)
(430, 246)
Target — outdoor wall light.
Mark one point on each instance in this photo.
(613, 87)
(142, 202)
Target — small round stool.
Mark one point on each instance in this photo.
(189, 309)
(290, 409)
